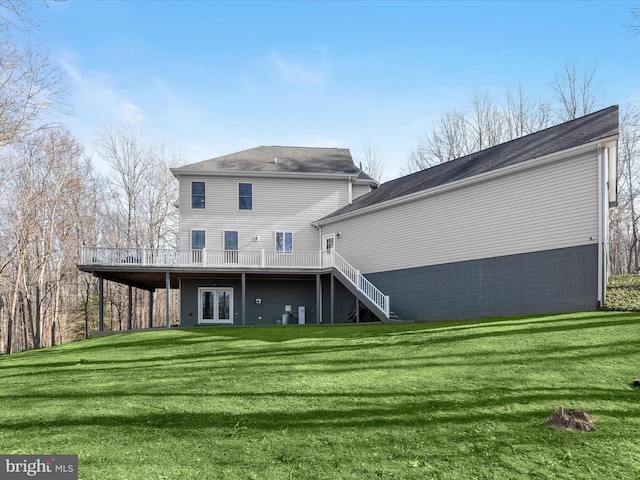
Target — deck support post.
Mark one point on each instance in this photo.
(168, 303)
(150, 308)
(130, 309)
(318, 299)
(101, 304)
(244, 296)
(333, 297)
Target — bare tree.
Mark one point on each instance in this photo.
(486, 123)
(447, 140)
(524, 115)
(372, 164)
(142, 212)
(46, 203)
(577, 93)
(142, 188)
(625, 236)
(30, 85)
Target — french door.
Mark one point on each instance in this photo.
(215, 305)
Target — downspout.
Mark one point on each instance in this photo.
(350, 190)
(603, 201)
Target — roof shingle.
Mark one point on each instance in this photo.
(596, 126)
(282, 160)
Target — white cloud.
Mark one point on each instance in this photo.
(97, 93)
(300, 71)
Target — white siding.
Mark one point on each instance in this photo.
(359, 190)
(544, 207)
(279, 204)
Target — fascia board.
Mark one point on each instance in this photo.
(177, 172)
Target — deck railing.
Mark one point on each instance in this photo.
(361, 283)
(202, 258)
(234, 259)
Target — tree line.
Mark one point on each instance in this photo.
(53, 202)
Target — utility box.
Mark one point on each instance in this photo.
(301, 315)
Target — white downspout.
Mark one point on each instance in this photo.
(603, 201)
(350, 190)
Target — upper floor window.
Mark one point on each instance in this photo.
(197, 195)
(284, 241)
(245, 196)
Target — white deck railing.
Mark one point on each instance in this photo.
(361, 283)
(259, 259)
(201, 258)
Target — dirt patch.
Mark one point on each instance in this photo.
(570, 420)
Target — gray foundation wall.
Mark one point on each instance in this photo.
(273, 294)
(552, 281)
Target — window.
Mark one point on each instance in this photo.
(284, 241)
(230, 240)
(198, 239)
(230, 246)
(197, 195)
(245, 196)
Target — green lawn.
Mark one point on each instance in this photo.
(447, 400)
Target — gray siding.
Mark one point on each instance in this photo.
(274, 294)
(553, 281)
(548, 206)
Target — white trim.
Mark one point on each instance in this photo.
(177, 172)
(214, 291)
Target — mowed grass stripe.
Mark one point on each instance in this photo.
(432, 400)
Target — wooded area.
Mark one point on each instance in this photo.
(53, 201)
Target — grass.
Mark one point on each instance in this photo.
(443, 401)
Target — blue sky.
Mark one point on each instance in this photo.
(210, 78)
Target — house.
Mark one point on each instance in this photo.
(519, 228)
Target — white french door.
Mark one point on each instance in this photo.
(215, 305)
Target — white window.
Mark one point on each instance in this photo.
(245, 196)
(197, 195)
(284, 242)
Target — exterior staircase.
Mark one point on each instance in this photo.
(376, 301)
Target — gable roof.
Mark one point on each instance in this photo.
(276, 159)
(596, 126)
